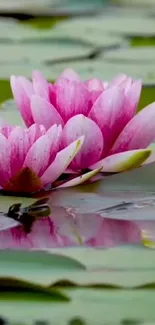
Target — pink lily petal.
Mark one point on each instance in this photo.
(40, 85)
(95, 87)
(19, 142)
(109, 115)
(138, 133)
(59, 217)
(22, 92)
(123, 161)
(61, 162)
(43, 235)
(105, 84)
(56, 140)
(126, 84)
(27, 86)
(93, 144)
(35, 131)
(38, 156)
(78, 228)
(118, 80)
(81, 179)
(14, 239)
(6, 130)
(132, 97)
(52, 94)
(116, 232)
(70, 75)
(5, 152)
(44, 113)
(72, 98)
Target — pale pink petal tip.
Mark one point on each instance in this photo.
(44, 112)
(70, 74)
(40, 85)
(22, 90)
(72, 98)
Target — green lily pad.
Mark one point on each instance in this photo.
(145, 55)
(137, 3)
(20, 32)
(38, 52)
(90, 35)
(20, 69)
(38, 271)
(140, 180)
(18, 6)
(132, 26)
(34, 29)
(87, 306)
(36, 267)
(108, 279)
(121, 258)
(129, 11)
(25, 33)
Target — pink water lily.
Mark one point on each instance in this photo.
(64, 229)
(31, 159)
(117, 138)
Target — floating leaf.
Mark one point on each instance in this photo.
(41, 52)
(37, 267)
(145, 4)
(87, 34)
(140, 55)
(25, 33)
(21, 68)
(78, 267)
(28, 7)
(125, 258)
(132, 26)
(92, 306)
